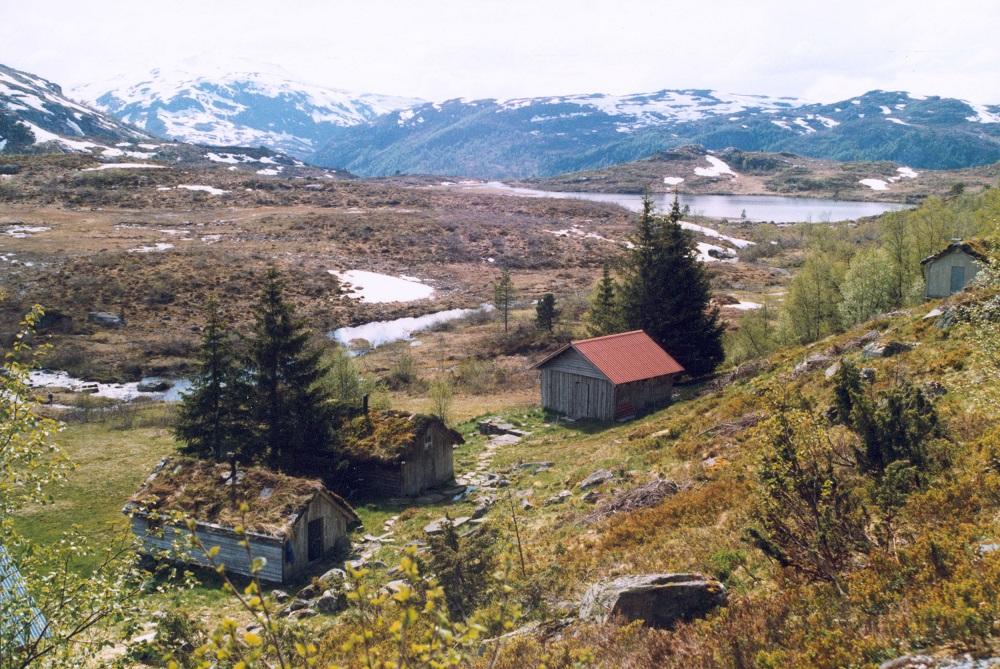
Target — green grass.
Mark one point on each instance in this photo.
(110, 464)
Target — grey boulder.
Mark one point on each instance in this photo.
(659, 600)
(105, 320)
(595, 479)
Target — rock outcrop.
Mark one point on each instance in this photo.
(659, 600)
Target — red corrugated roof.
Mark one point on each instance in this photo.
(624, 357)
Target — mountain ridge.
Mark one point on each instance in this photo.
(35, 111)
(541, 137)
(251, 108)
(518, 138)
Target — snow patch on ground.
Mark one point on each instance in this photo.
(576, 231)
(673, 181)
(896, 121)
(375, 288)
(717, 169)
(22, 231)
(42, 136)
(228, 158)
(705, 253)
(982, 114)
(378, 333)
(211, 190)
(117, 153)
(745, 306)
(269, 172)
(715, 234)
(124, 166)
(874, 184)
(159, 247)
(802, 123)
(907, 172)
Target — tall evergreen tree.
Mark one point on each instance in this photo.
(665, 292)
(604, 315)
(290, 406)
(503, 297)
(214, 418)
(545, 312)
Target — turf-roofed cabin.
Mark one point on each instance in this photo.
(954, 267)
(395, 454)
(295, 523)
(608, 378)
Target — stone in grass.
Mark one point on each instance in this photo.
(436, 526)
(299, 614)
(335, 575)
(659, 600)
(595, 479)
(105, 319)
(884, 349)
(558, 498)
(331, 602)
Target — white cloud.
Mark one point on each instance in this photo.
(439, 49)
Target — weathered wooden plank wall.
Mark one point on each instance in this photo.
(168, 540)
(577, 396)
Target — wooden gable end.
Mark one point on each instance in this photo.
(572, 361)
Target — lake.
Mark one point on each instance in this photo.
(758, 208)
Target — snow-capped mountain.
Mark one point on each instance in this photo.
(262, 107)
(36, 115)
(553, 135)
(528, 137)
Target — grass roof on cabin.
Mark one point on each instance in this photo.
(980, 249)
(381, 436)
(200, 490)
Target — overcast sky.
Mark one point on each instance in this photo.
(438, 49)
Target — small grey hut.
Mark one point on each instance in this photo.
(608, 378)
(394, 454)
(952, 268)
(295, 523)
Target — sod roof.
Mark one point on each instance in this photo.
(385, 436)
(201, 490)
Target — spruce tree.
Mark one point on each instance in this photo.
(666, 292)
(604, 315)
(545, 312)
(213, 418)
(289, 403)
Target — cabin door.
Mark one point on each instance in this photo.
(957, 279)
(581, 400)
(314, 537)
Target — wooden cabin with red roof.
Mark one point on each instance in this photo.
(608, 378)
